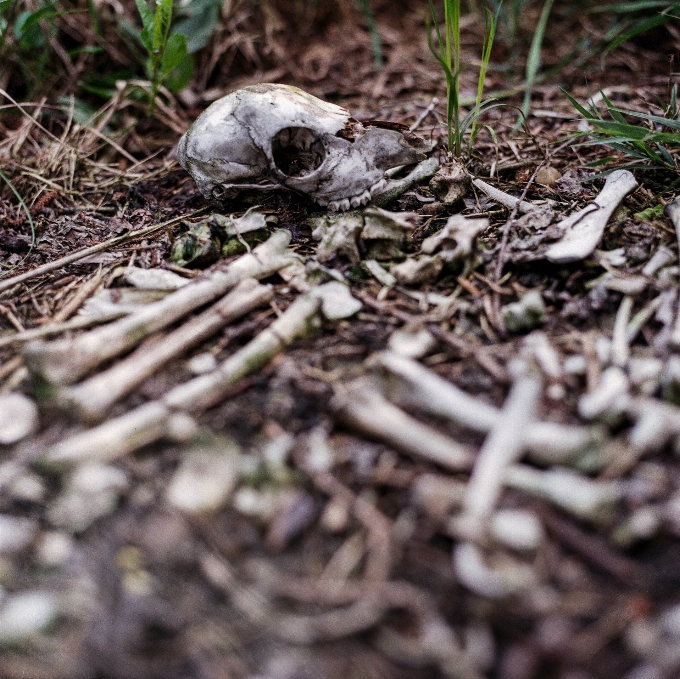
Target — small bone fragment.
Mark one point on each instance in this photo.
(91, 492)
(526, 314)
(609, 398)
(505, 578)
(418, 270)
(363, 407)
(450, 183)
(413, 341)
(456, 239)
(205, 478)
(157, 419)
(517, 528)
(24, 615)
(620, 350)
(657, 423)
(381, 224)
(336, 301)
(93, 398)
(397, 187)
(381, 275)
(584, 229)
(18, 417)
(16, 533)
(385, 233)
(582, 497)
(154, 279)
(503, 446)
(437, 494)
(66, 361)
(338, 235)
(503, 198)
(412, 385)
(661, 258)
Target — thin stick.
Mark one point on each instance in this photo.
(86, 252)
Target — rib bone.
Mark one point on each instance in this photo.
(364, 408)
(66, 361)
(411, 385)
(93, 398)
(155, 420)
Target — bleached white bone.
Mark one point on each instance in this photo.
(93, 398)
(66, 361)
(584, 229)
(157, 419)
(271, 136)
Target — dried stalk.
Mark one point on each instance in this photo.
(86, 252)
(158, 419)
(92, 399)
(66, 361)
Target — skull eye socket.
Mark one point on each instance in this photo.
(297, 151)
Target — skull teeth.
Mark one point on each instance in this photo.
(355, 201)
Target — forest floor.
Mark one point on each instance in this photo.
(322, 545)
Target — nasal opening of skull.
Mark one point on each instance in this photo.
(297, 151)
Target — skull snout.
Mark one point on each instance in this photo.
(297, 151)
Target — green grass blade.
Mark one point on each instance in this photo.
(376, 42)
(534, 58)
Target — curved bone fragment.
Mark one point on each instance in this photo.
(271, 136)
(584, 229)
(503, 198)
(66, 361)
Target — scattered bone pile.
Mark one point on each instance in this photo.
(539, 497)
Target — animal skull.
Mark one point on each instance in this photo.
(275, 136)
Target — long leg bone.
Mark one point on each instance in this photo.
(411, 385)
(66, 361)
(503, 446)
(364, 408)
(156, 420)
(584, 229)
(93, 398)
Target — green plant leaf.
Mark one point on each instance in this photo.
(181, 76)
(161, 28)
(199, 21)
(146, 14)
(650, 213)
(174, 53)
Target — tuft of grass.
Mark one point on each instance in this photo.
(655, 144)
(447, 54)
